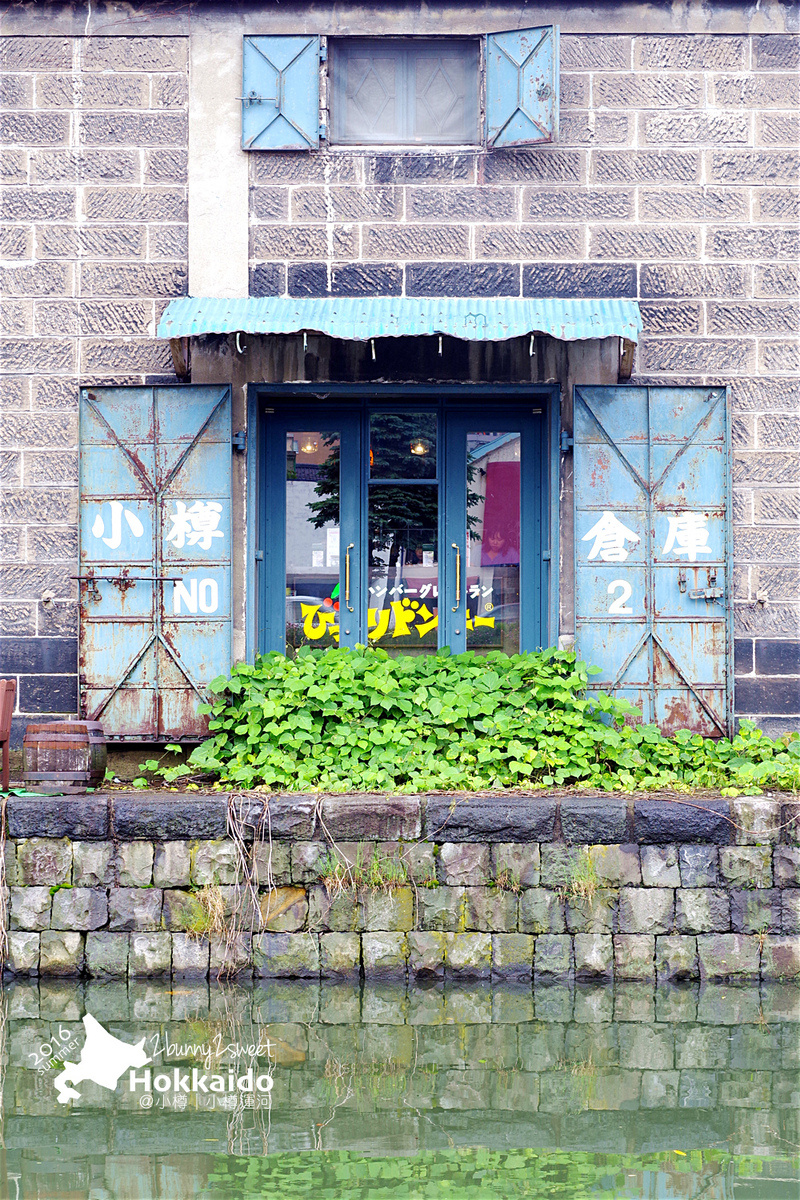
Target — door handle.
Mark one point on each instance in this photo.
(458, 577)
(350, 547)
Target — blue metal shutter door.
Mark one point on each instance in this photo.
(155, 554)
(653, 553)
(280, 93)
(522, 85)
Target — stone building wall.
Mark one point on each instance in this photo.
(674, 181)
(94, 242)
(482, 888)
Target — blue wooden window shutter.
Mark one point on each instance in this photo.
(522, 86)
(280, 93)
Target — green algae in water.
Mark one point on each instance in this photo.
(492, 1175)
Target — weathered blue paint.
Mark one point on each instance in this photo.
(653, 603)
(522, 86)
(280, 93)
(155, 556)
(360, 318)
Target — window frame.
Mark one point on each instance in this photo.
(331, 90)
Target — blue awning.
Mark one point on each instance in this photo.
(358, 319)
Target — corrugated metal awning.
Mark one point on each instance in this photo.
(358, 319)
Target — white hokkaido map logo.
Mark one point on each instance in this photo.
(105, 1058)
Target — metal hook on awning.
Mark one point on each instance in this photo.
(240, 349)
(372, 345)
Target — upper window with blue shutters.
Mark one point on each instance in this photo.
(498, 90)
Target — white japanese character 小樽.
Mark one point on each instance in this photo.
(687, 534)
(610, 536)
(195, 525)
(117, 510)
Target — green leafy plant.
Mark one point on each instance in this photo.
(155, 767)
(360, 720)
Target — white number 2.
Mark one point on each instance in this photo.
(618, 605)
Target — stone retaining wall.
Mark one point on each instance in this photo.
(500, 887)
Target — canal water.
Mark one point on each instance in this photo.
(292, 1090)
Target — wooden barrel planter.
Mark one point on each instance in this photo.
(65, 752)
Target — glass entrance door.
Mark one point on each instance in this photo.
(408, 528)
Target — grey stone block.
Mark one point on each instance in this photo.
(287, 955)
(43, 861)
(79, 908)
(660, 866)
(149, 816)
(616, 866)
(462, 279)
(702, 910)
(92, 864)
(491, 910)
(441, 908)
(756, 911)
(786, 866)
(489, 819)
(468, 955)
(190, 956)
(634, 956)
(512, 956)
(541, 911)
(214, 863)
(594, 955)
(134, 864)
(552, 954)
(171, 864)
(62, 953)
(790, 906)
(107, 955)
(698, 865)
(150, 954)
(379, 818)
(23, 953)
(272, 857)
(337, 912)
(780, 958)
(284, 910)
(310, 858)
(340, 955)
(590, 821)
(393, 910)
(30, 908)
(231, 955)
(595, 915)
(580, 280)
(516, 863)
(426, 953)
(728, 956)
(660, 821)
(384, 955)
(645, 910)
(463, 863)
(746, 866)
(134, 909)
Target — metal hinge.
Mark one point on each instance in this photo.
(323, 53)
(566, 441)
(259, 555)
(323, 131)
(546, 555)
(239, 440)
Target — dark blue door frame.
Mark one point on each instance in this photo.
(275, 408)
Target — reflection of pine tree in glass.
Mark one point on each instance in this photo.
(399, 517)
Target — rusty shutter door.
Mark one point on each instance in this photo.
(155, 556)
(653, 551)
